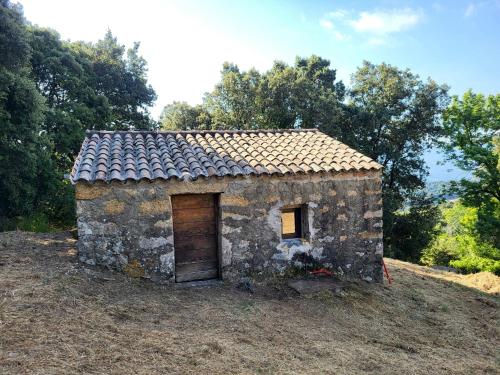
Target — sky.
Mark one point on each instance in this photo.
(185, 42)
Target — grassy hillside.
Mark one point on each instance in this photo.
(57, 317)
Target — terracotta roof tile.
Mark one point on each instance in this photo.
(188, 155)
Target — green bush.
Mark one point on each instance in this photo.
(473, 264)
(38, 222)
(441, 251)
(460, 244)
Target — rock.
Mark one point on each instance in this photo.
(246, 285)
(316, 285)
(444, 268)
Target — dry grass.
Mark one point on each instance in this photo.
(59, 318)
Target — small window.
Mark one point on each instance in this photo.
(291, 223)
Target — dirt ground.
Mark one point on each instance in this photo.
(57, 317)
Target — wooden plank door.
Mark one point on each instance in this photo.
(195, 236)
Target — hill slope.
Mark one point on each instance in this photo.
(57, 317)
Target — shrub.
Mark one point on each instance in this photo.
(441, 251)
(459, 243)
(37, 222)
(473, 264)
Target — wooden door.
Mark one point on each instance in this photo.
(195, 236)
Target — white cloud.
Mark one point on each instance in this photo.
(326, 24)
(469, 11)
(386, 22)
(375, 25)
(340, 36)
(338, 14)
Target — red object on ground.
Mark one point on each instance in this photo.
(322, 271)
(389, 278)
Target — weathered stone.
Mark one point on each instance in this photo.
(372, 214)
(134, 269)
(152, 243)
(114, 207)
(138, 236)
(373, 192)
(153, 207)
(314, 286)
(86, 192)
(231, 200)
(366, 234)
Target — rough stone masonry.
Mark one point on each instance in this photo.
(128, 226)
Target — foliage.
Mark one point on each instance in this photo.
(472, 126)
(182, 116)
(438, 190)
(303, 95)
(24, 149)
(88, 86)
(50, 92)
(473, 264)
(393, 116)
(459, 243)
(37, 222)
(414, 228)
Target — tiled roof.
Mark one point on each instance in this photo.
(188, 155)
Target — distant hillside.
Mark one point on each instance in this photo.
(436, 189)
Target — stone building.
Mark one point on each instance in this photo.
(195, 205)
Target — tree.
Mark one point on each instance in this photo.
(233, 102)
(182, 116)
(393, 116)
(24, 150)
(123, 81)
(65, 80)
(459, 243)
(472, 127)
(303, 95)
(414, 228)
(88, 86)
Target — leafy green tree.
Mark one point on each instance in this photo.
(182, 116)
(50, 92)
(24, 149)
(233, 102)
(472, 127)
(459, 243)
(65, 79)
(414, 228)
(123, 81)
(303, 95)
(471, 124)
(393, 116)
(88, 86)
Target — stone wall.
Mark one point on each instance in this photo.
(129, 226)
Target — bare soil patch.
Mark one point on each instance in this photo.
(58, 317)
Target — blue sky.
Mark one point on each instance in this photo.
(186, 42)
